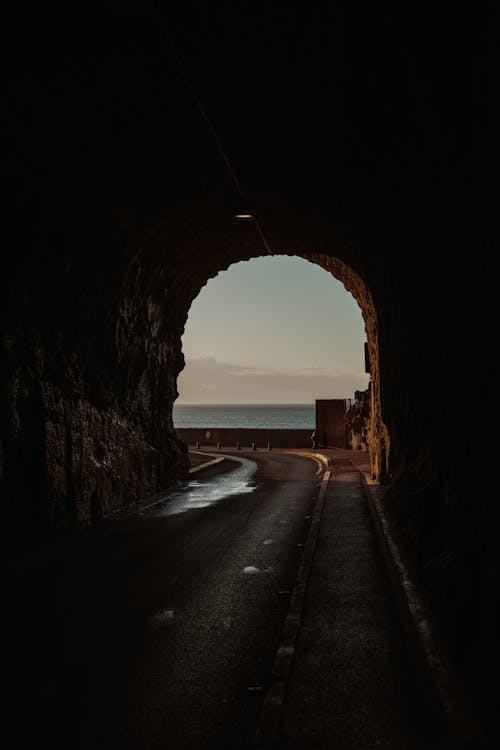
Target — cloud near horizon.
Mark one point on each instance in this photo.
(206, 381)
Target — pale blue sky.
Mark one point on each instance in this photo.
(272, 330)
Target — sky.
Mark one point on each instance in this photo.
(272, 330)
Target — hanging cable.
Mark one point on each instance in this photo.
(185, 77)
(263, 238)
(210, 127)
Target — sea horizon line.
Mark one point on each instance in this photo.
(251, 403)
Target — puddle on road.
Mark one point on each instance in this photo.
(199, 494)
(166, 615)
(250, 570)
(161, 619)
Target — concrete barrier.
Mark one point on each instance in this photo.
(228, 437)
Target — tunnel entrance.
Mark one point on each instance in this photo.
(105, 386)
(272, 330)
(340, 282)
(263, 342)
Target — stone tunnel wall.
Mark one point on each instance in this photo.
(87, 398)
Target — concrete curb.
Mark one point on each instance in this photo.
(207, 464)
(269, 723)
(418, 623)
(318, 457)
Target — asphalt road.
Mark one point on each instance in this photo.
(159, 630)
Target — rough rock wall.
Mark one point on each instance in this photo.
(88, 383)
(357, 420)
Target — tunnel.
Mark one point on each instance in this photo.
(363, 146)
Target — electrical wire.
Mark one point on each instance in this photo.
(182, 70)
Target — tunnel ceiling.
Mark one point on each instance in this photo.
(331, 114)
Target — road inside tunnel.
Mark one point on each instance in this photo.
(163, 629)
(160, 629)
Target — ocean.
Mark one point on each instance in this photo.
(259, 416)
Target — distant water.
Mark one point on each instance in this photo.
(260, 416)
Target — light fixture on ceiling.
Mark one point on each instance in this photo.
(250, 218)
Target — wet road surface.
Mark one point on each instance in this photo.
(159, 630)
(173, 627)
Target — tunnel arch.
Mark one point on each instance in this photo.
(378, 436)
(212, 241)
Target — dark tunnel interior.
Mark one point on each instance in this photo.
(362, 142)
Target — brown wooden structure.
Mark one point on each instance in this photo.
(330, 422)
